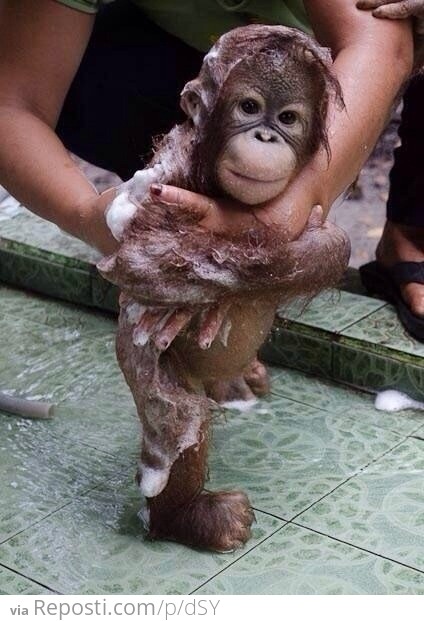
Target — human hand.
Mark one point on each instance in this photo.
(228, 217)
(395, 9)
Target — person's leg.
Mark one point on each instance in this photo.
(126, 89)
(403, 236)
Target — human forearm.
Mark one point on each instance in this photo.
(36, 168)
(41, 46)
(368, 97)
(372, 60)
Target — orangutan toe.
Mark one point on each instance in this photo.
(257, 378)
(227, 391)
(218, 521)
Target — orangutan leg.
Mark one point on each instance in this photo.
(187, 513)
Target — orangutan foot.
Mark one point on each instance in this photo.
(254, 382)
(257, 378)
(229, 391)
(218, 521)
(404, 243)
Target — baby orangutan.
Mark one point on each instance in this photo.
(195, 305)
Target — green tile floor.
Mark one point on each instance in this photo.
(337, 486)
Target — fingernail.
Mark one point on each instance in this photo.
(156, 189)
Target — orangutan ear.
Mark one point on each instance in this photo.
(192, 102)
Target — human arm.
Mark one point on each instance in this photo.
(372, 59)
(41, 46)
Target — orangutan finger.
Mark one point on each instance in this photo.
(211, 323)
(150, 322)
(173, 326)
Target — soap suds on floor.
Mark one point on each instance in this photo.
(239, 404)
(395, 401)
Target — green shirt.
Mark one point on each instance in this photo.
(200, 22)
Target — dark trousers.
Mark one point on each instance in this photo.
(126, 90)
(406, 198)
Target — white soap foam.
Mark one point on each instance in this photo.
(395, 401)
(119, 213)
(143, 179)
(141, 337)
(241, 405)
(153, 481)
(135, 312)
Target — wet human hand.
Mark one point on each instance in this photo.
(286, 214)
(394, 9)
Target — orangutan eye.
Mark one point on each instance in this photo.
(288, 117)
(249, 106)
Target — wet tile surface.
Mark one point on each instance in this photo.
(41, 472)
(97, 545)
(382, 329)
(14, 584)
(287, 455)
(346, 310)
(27, 228)
(381, 509)
(377, 371)
(313, 452)
(298, 350)
(338, 399)
(299, 561)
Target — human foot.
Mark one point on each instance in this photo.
(400, 243)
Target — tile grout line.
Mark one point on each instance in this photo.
(241, 556)
(376, 310)
(292, 521)
(82, 494)
(18, 573)
(354, 475)
(357, 547)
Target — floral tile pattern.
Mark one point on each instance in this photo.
(346, 309)
(97, 545)
(287, 455)
(299, 351)
(13, 584)
(313, 453)
(361, 368)
(381, 509)
(41, 472)
(28, 229)
(45, 310)
(23, 270)
(299, 561)
(327, 395)
(383, 329)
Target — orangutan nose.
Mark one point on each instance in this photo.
(264, 135)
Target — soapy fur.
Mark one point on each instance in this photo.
(196, 306)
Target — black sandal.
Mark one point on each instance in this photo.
(386, 281)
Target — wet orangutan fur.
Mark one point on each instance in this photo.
(195, 305)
